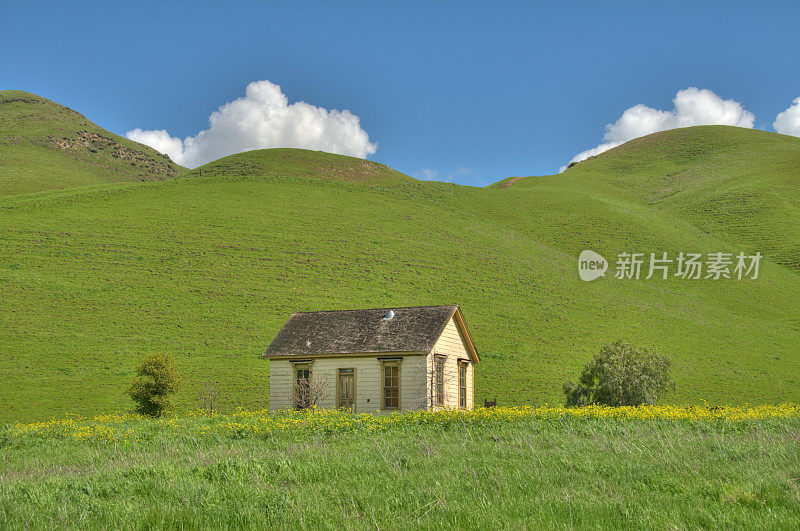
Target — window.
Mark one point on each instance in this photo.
(462, 385)
(391, 386)
(302, 387)
(390, 383)
(440, 380)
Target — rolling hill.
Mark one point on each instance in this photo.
(740, 184)
(209, 266)
(302, 164)
(45, 146)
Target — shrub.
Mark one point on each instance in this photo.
(621, 375)
(156, 380)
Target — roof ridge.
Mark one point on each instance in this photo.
(381, 308)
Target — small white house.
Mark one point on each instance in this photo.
(385, 359)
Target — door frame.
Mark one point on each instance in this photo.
(351, 372)
(296, 368)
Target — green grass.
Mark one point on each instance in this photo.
(558, 473)
(209, 267)
(46, 146)
(303, 163)
(738, 184)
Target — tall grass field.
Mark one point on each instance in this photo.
(654, 467)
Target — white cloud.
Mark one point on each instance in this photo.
(692, 106)
(788, 122)
(426, 174)
(263, 118)
(160, 141)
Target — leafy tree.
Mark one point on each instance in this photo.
(157, 379)
(621, 375)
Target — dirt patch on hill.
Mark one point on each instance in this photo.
(22, 100)
(509, 182)
(98, 146)
(353, 172)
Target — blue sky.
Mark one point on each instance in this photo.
(472, 92)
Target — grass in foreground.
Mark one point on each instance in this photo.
(634, 467)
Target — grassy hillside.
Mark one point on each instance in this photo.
(209, 267)
(302, 163)
(739, 184)
(46, 146)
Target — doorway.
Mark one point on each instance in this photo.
(346, 390)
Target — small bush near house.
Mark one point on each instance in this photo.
(621, 375)
(157, 378)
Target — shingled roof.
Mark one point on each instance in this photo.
(413, 329)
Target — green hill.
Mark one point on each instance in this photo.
(46, 146)
(740, 184)
(303, 164)
(209, 267)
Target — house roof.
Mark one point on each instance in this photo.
(414, 329)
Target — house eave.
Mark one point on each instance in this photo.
(469, 343)
(341, 355)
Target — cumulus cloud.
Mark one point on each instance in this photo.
(160, 141)
(788, 122)
(263, 118)
(692, 106)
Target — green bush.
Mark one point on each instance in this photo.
(621, 375)
(157, 378)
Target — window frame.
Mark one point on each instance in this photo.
(462, 389)
(385, 364)
(439, 362)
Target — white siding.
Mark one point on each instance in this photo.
(368, 381)
(452, 347)
(280, 381)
